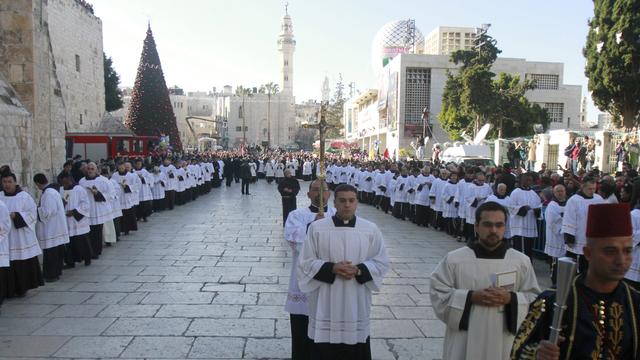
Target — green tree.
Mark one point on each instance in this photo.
(612, 52)
(112, 93)
(335, 111)
(514, 115)
(474, 96)
(150, 111)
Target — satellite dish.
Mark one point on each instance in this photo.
(466, 137)
(482, 134)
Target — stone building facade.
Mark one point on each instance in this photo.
(77, 48)
(15, 137)
(38, 45)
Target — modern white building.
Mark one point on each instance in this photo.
(444, 40)
(411, 82)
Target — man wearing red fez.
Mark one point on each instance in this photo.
(602, 319)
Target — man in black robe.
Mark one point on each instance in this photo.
(288, 188)
(601, 320)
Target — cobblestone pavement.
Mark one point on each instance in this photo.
(208, 281)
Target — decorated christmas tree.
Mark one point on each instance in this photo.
(150, 111)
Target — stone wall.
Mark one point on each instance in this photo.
(76, 35)
(32, 58)
(15, 139)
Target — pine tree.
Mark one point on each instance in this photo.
(112, 94)
(612, 51)
(335, 111)
(150, 111)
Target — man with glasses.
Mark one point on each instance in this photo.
(485, 285)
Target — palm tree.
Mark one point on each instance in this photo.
(244, 92)
(269, 89)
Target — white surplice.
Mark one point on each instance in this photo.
(554, 244)
(127, 199)
(574, 221)
(295, 232)
(487, 336)
(526, 225)
(100, 211)
(51, 227)
(475, 193)
(339, 312)
(449, 209)
(77, 200)
(5, 228)
(23, 243)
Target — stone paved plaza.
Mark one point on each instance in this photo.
(208, 281)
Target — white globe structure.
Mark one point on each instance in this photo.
(395, 37)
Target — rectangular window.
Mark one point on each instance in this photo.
(80, 119)
(78, 63)
(544, 81)
(238, 128)
(555, 111)
(418, 94)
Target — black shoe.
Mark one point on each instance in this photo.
(95, 257)
(69, 266)
(87, 262)
(248, 194)
(50, 280)
(107, 244)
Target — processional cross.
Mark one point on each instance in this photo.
(322, 127)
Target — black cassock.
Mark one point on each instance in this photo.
(595, 326)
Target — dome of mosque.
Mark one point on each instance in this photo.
(395, 37)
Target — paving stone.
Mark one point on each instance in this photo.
(223, 287)
(232, 327)
(432, 328)
(13, 309)
(82, 310)
(148, 326)
(268, 348)
(175, 297)
(75, 326)
(394, 329)
(105, 298)
(272, 298)
(200, 311)
(58, 298)
(94, 347)
(158, 347)
(264, 312)
(30, 346)
(217, 348)
(20, 326)
(413, 312)
(236, 298)
(120, 311)
(416, 349)
(170, 287)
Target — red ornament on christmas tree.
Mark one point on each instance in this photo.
(150, 112)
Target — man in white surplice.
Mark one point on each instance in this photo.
(342, 261)
(482, 291)
(295, 232)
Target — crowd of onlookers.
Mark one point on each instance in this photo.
(89, 204)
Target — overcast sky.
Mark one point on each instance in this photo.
(207, 43)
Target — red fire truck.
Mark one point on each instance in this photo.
(96, 146)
